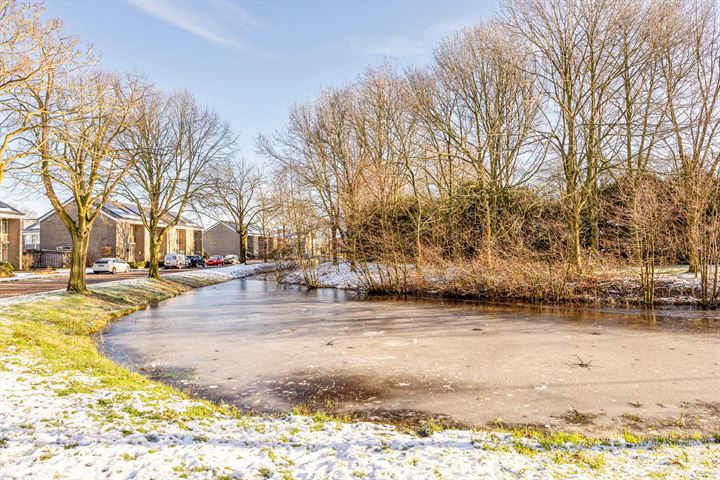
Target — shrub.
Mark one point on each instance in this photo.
(28, 260)
(6, 269)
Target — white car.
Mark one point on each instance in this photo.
(110, 265)
(175, 260)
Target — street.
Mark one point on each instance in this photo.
(27, 286)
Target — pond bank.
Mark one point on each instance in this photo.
(68, 412)
(674, 286)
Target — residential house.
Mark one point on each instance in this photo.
(222, 239)
(31, 234)
(11, 247)
(119, 232)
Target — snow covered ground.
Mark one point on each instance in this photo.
(226, 273)
(49, 433)
(62, 423)
(29, 275)
(329, 275)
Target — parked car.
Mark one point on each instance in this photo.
(231, 260)
(195, 261)
(110, 265)
(215, 260)
(175, 260)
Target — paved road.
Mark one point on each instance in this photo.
(57, 282)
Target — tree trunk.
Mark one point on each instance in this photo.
(76, 282)
(243, 248)
(333, 244)
(594, 224)
(154, 270)
(574, 240)
(693, 242)
(488, 227)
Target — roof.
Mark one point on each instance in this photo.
(32, 228)
(252, 230)
(128, 212)
(8, 211)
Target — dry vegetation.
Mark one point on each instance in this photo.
(536, 155)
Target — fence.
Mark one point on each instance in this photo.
(50, 258)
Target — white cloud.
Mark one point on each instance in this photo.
(217, 21)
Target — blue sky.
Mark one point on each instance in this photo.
(252, 60)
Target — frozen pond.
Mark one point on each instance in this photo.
(267, 347)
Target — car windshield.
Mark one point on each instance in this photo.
(103, 260)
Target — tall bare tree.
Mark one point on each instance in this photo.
(173, 143)
(574, 47)
(493, 115)
(315, 145)
(691, 71)
(233, 195)
(77, 135)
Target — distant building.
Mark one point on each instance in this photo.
(31, 234)
(222, 239)
(119, 232)
(11, 246)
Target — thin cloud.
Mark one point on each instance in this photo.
(216, 21)
(399, 46)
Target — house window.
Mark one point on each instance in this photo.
(3, 226)
(4, 252)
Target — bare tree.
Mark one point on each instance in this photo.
(77, 135)
(639, 141)
(493, 115)
(316, 146)
(173, 143)
(233, 195)
(28, 49)
(691, 71)
(574, 48)
(268, 212)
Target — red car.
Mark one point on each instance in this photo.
(215, 260)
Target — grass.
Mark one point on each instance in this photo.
(549, 439)
(58, 331)
(591, 460)
(429, 427)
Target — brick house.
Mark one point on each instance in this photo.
(222, 239)
(11, 242)
(119, 232)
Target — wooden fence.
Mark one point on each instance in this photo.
(50, 258)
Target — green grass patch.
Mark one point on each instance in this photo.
(57, 331)
(591, 460)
